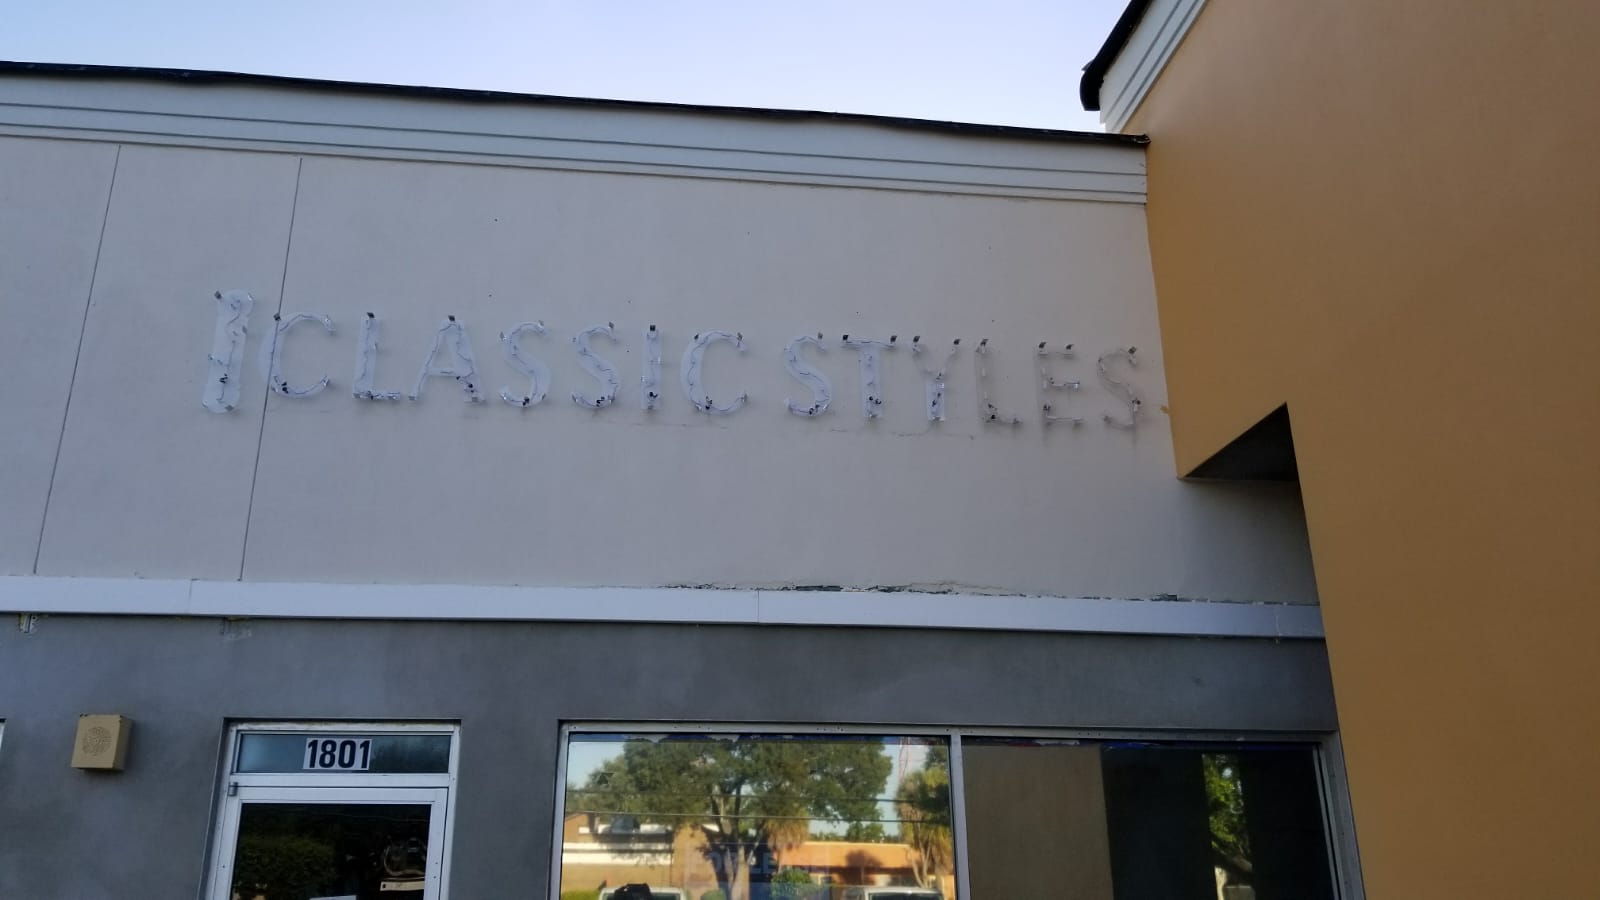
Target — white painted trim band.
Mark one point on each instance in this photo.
(1143, 57)
(701, 606)
(650, 142)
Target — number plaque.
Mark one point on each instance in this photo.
(346, 753)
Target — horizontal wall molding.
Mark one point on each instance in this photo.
(25, 594)
(614, 140)
(1154, 40)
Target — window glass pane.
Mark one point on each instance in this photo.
(304, 851)
(757, 817)
(1032, 803)
(329, 753)
(1143, 821)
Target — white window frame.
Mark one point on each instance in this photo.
(237, 788)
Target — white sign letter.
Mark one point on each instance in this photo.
(1122, 390)
(271, 359)
(933, 381)
(650, 379)
(991, 413)
(599, 369)
(1048, 383)
(367, 362)
(806, 374)
(869, 353)
(221, 393)
(693, 380)
(538, 374)
(452, 338)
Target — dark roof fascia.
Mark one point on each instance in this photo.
(206, 77)
(1094, 74)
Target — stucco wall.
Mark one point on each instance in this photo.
(1383, 214)
(142, 481)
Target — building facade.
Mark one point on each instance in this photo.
(438, 493)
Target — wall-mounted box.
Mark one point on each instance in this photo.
(102, 742)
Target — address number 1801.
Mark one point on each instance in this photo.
(338, 754)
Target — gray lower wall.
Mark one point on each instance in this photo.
(143, 832)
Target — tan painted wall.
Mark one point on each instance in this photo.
(1387, 215)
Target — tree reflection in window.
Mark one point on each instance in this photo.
(1230, 839)
(923, 803)
(774, 817)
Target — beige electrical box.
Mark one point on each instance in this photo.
(102, 742)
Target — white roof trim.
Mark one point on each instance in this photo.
(1137, 67)
(680, 143)
(29, 594)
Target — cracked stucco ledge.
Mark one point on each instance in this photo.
(890, 606)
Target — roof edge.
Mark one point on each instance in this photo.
(13, 68)
(1094, 72)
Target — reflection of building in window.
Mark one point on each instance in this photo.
(599, 856)
(595, 853)
(848, 862)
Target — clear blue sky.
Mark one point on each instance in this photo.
(1013, 62)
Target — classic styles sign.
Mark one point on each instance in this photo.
(451, 357)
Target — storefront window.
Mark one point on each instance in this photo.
(1145, 821)
(698, 816)
(757, 817)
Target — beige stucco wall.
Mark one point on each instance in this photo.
(126, 474)
(1386, 215)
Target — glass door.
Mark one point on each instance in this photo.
(335, 811)
(331, 843)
